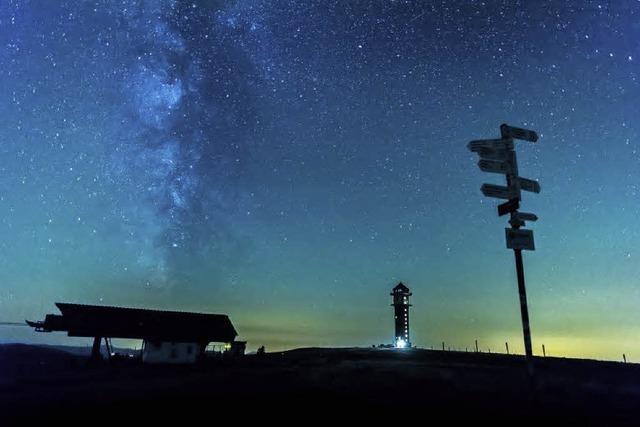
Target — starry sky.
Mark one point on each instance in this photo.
(288, 162)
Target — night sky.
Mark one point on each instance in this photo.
(287, 163)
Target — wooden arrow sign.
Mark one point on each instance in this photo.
(491, 154)
(508, 207)
(494, 166)
(529, 185)
(478, 145)
(518, 133)
(524, 216)
(499, 191)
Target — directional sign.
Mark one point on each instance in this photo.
(518, 133)
(507, 207)
(493, 154)
(503, 144)
(529, 185)
(499, 191)
(519, 239)
(524, 216)
(495, 166)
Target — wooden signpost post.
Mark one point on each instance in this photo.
(499, 156)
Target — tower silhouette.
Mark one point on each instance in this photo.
(401, 294)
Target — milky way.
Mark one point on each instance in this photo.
(287, 162)
(177, 105)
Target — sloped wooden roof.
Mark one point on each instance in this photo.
(81, 320)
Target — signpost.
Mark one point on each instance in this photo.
(479, 145)
(507, 207)
(519, 239)
(523, 216)
(498, 191)
(518, 133)
(499, 156)
(529, 185)
(494, 166)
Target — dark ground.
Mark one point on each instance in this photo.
(307, 385)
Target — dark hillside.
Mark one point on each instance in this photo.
(366, 382)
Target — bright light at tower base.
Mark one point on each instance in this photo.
(400, 343)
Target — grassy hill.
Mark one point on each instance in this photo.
(368, 383)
